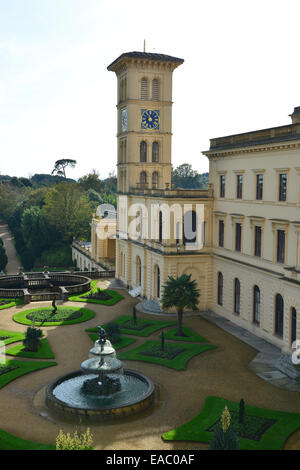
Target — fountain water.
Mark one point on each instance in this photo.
(102, 388)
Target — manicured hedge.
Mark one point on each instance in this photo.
(272, 439)
(123, 343)
(44, 351)
(13, 336)
(178, 363)
(10, 442)
(23, 368)
(11, 303)
(190, 335)
(150, 325)
(86, 315)
(115, 296)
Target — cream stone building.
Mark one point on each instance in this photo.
(240, 238)
(100, 252)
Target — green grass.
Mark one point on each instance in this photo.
(178, 363)
(85, 315)
(23, 368)
(190, 335)
(44, 351)
(123, 343)
(273, 439)
(10, 442)
(150, 325)
(115, 296)
(13, 336)
(11, 303)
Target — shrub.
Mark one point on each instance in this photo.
(82, 441)
(3, 258)
(32, 340)
(113, 332)
(27, 259)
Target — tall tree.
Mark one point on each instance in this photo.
(181, 293)
(68, 211)
(61, 165)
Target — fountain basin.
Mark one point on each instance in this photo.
(63, 397)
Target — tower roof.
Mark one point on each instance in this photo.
(145, 56)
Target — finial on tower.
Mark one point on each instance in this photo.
(144, 45)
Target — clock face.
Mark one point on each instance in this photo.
(124, 120)
(150, 119)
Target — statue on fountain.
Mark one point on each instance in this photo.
(105, 384)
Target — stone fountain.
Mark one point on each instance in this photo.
(101, 389)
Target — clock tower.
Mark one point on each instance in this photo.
(144, 120)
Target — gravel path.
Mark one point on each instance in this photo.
(13, 264)
(221, 372)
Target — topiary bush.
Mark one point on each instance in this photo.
(32, 340)
(113, 332)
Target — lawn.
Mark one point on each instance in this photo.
(113, 296)
(266, 429)
(19, 368)
(44, 351)
(144, 327)
(8, 337)
(10, 303)
(123, 343)
(63, 316)
(175, 356)
(10, 442)
(189, 335)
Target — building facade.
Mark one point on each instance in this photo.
(239, 239)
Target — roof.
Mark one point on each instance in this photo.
(146, 56)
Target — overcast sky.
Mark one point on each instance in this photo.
(57, 99)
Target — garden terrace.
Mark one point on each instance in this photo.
(43, 286)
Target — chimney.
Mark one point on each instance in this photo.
(296, 115)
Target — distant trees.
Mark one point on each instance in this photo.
(185, 177)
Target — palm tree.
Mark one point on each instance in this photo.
(180, 293)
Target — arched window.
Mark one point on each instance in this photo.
(155, 152)
(155, 89)
(143, 151)
(155, 179)
(143, 179)
(144, 89)
(279, 315)
(256, 305)
(157, 281)
(237, 296)
(138, 271)
(189, 227)
(220, 288)
(160, 226)
(293, 325)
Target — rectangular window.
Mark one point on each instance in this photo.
(257, 242)
(221, 233)
(259, 186)
(239, 186)
(282, 186)
(280, 246)
(238, 237)
(222, 186)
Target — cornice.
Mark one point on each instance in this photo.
(215, 154)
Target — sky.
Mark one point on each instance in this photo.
(57, 99)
